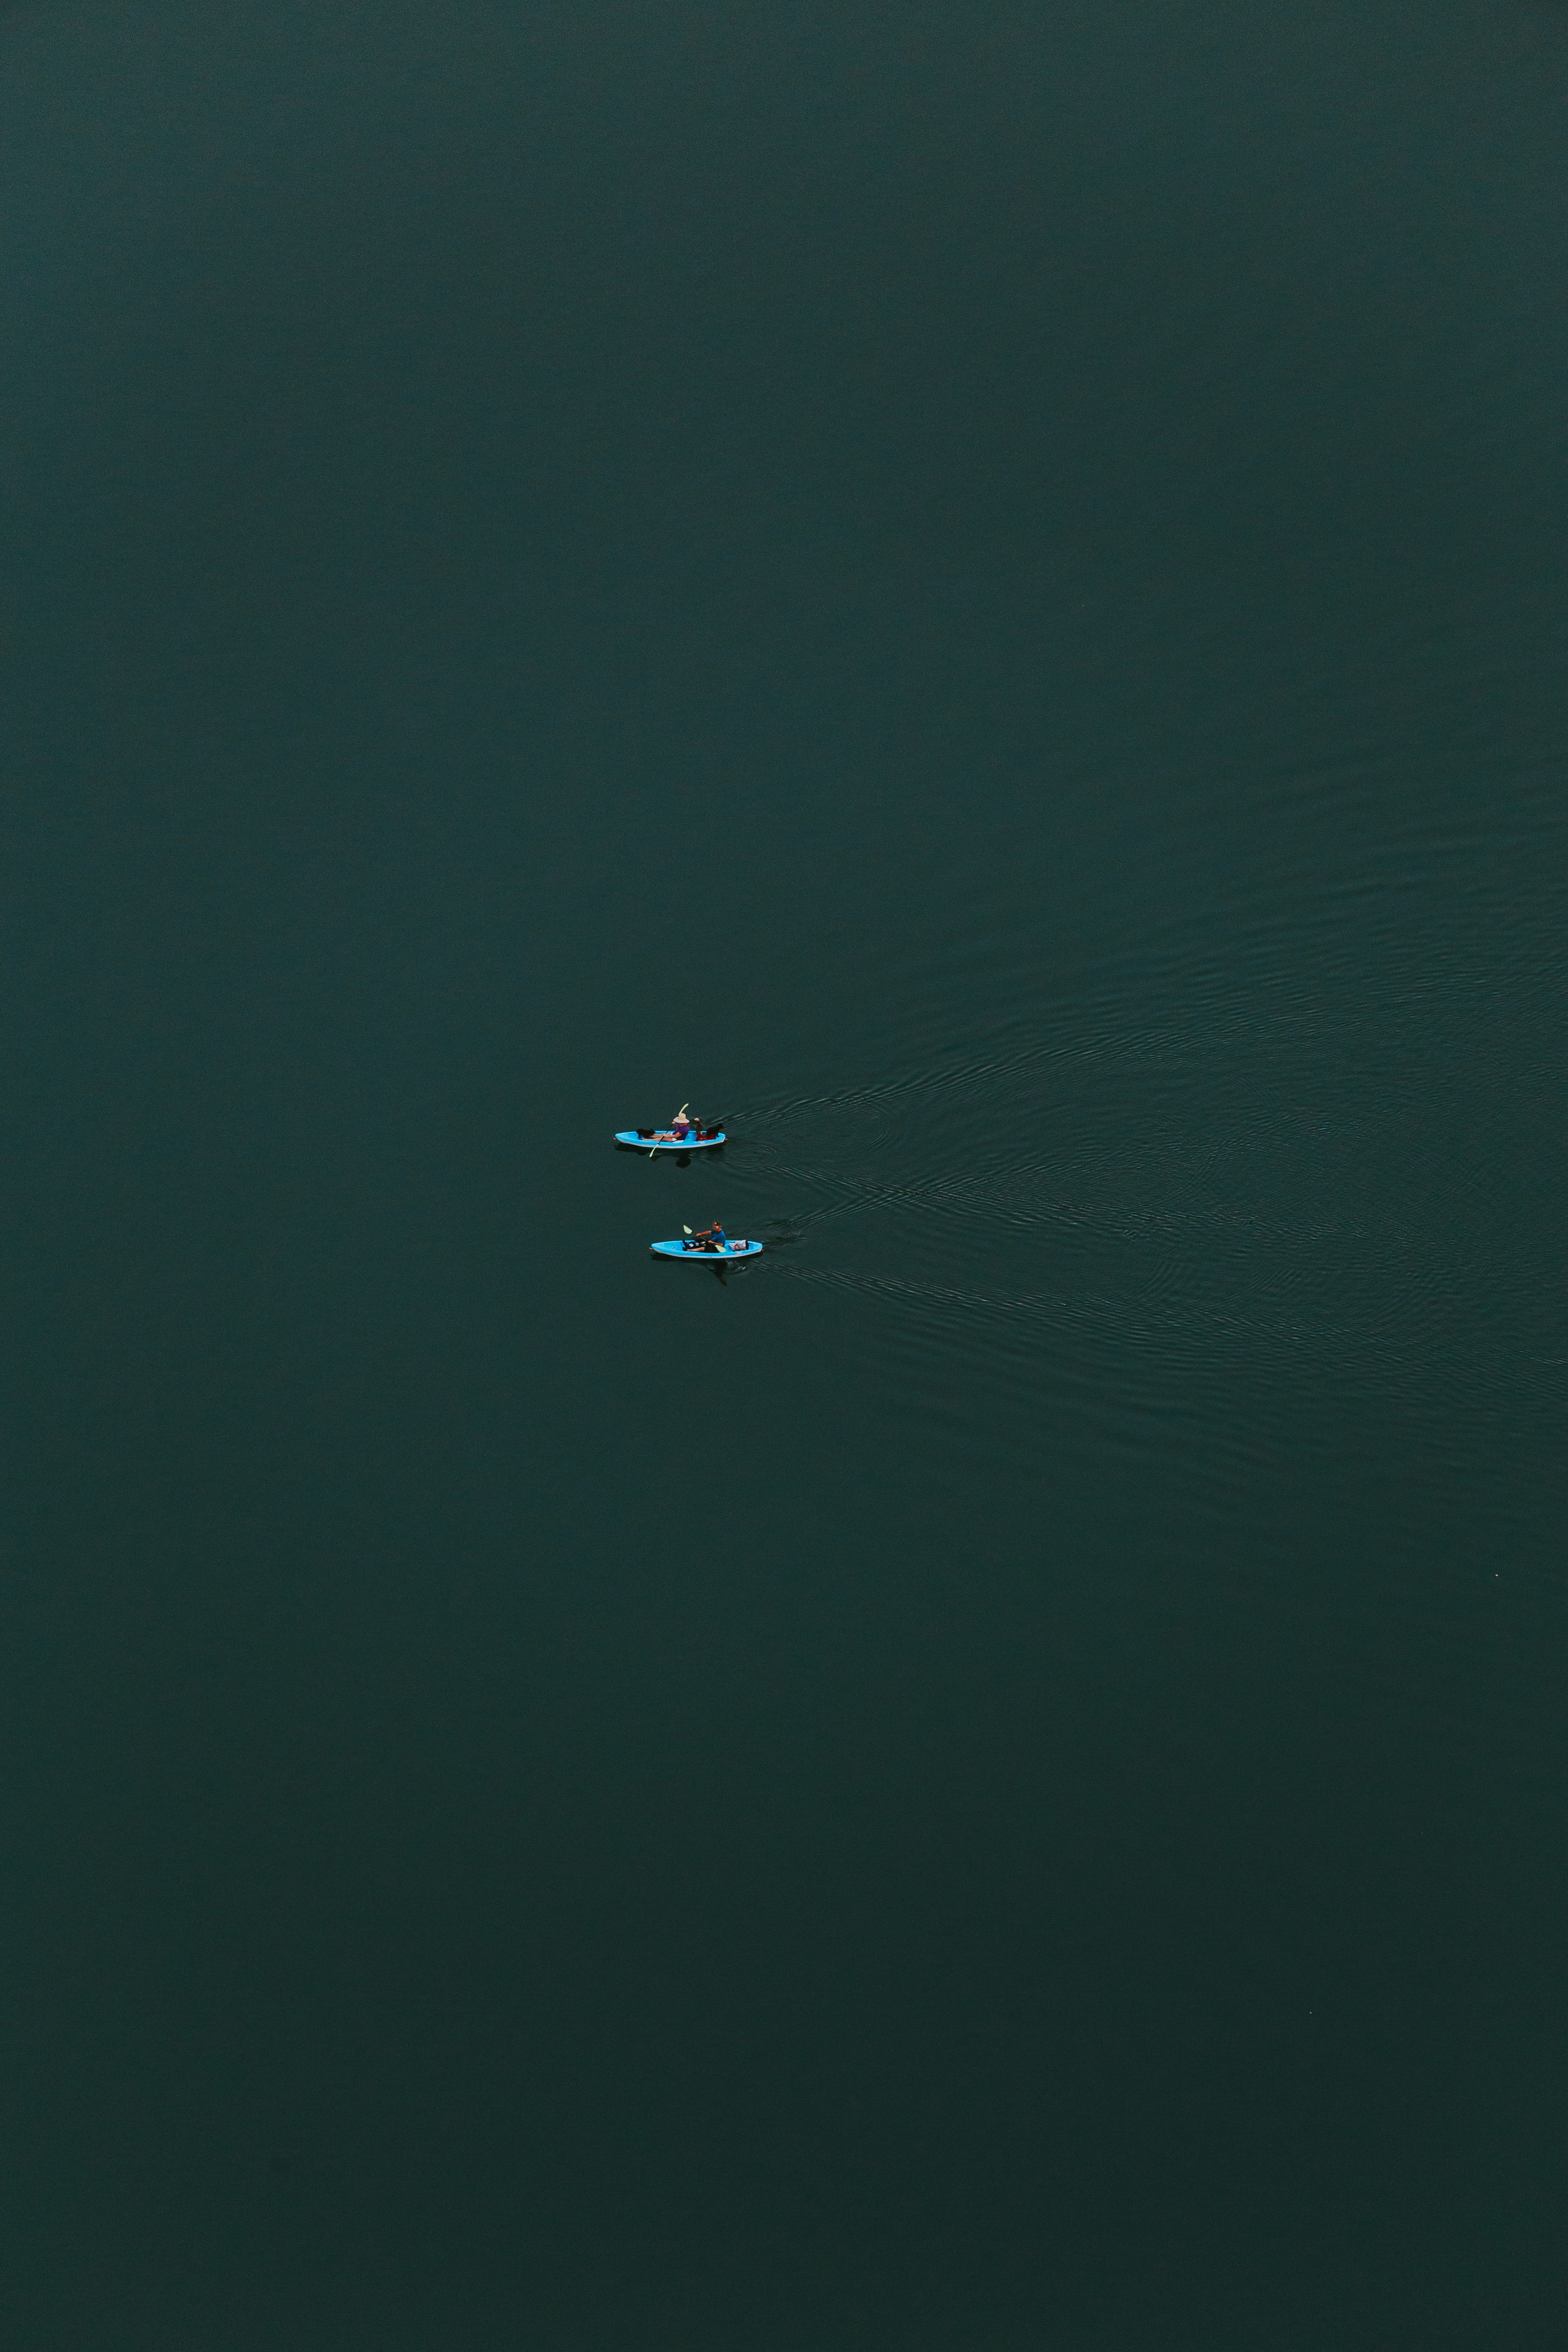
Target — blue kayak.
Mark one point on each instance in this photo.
(659, 1138)
(707, 1257)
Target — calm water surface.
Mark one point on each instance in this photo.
(978, 591)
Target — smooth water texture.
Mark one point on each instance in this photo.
(976, 592)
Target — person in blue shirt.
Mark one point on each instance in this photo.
(711, 1237)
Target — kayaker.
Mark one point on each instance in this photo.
(711, 1237)
(680, 1127)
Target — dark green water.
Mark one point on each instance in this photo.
(978, 589)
